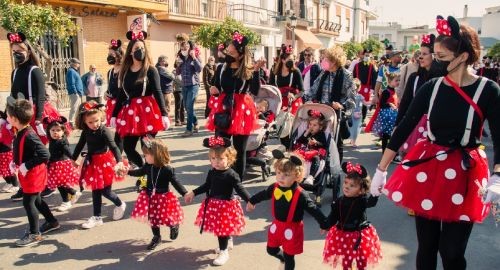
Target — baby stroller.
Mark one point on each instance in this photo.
(331, 164)
(257, 153)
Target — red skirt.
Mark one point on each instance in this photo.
(5, 160)
(140, 117)
(419, 133)
(288, 235)
(244, 115)
(35, 179)
(99, 172)
(308, 155)
(370, 124)
(161, 209)
(48, 111)
(110, 106)
(62, 174)
(340, 247)
(222, 217)
(364, 90)
(442, 188)
(284, 99)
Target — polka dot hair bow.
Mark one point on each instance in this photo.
(316, 114)
(51, 119)
(16, 37)
(239, 41)
(216, 141)
(238, 37)
(115, 44)
(448, 27)
(350, 168)
(426, 39)
(142, 35)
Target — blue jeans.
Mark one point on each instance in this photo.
(189, 94)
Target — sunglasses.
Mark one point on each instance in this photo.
(307, 54)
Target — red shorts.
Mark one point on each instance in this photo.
(288, 235)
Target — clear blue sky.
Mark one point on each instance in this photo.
(415, 12)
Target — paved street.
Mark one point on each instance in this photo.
(121, 244)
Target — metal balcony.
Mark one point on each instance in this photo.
(206, 9)
(322, 26)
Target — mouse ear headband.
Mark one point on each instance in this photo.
(11, 101)
(115, 44)
(448, 27)
(350, 168)
(216, 142)
(142, 35)
(277, 154)
(50, 119)
(16, 37)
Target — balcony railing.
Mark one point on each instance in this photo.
(253, 15)
(209, 9)
(324, 26)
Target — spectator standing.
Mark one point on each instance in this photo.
(74, 86)
(92, 82)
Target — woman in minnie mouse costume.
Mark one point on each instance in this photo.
(27, 78)
(441, 177)
(233, 112)
(115, 55)
(140, 107)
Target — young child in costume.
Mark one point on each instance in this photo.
(357, 114)
(351, 237)
(156, 204)
(385, 120)
(61, 173)
(288, 202)
(312, 145)
(100, 165)
(221, 213)
(30, 159)
(6, 138)
(263, 112)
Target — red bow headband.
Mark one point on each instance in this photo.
(16, 37)
(132, 36)
(216, 142)
(238, 37)
(87, 106)
(287, 49)
(315, 114)
(115, 44)
(426, 39)
(442, 26)
(350, 168)
(138, 36)
(51, 119)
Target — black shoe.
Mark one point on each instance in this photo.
(174, 232)
(18, 196)
(47, 192)
(48, 227)
(154, 242)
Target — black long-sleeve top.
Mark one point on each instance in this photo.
(59, 150)
(449, 114)
(384, 98)
(220, 185)
(408, 94)
(20, 85)
(134, 89)
(320, 137)
(113, 89)
(98, 142)
(34, 152)
(363, 69)
(349, 213)
(159, 178)
(280, 81)
(230, 84)
(282, 206)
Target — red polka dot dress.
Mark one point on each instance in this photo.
(6, 138)
(61, 171)
(110, 106)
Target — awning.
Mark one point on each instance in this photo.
(308, 39)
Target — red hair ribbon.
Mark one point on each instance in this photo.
(353, 168)
(442, 26)
(87, 106)
(289, 49)
(138, 36)
(315, 113)
(15, 38)
(216, 141)
(426, 39)
(238, 37)
(114, 43)
(52, 119)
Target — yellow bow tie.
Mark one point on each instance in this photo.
(278, 193)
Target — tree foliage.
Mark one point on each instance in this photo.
(374, 45)
(351, 49)
(494, 51)
(209, 35)
(35, 20)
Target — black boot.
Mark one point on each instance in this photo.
(154, 242)
(174, 232)
(18, 196)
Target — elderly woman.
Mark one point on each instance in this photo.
(334, 87)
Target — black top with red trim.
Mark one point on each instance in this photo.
(349, 213)
(230, 83)
(449, 114)
(134, 89)
(59, 150)
(98, 142)
(220, 185)
(282, 206)
(281, 81)
(361, 71)
(20, 85)
(159, 178)
(34, 152)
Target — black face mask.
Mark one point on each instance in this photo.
(139, 55)
(289, 64)
(19, 57)
(229, 59)
(111, 60)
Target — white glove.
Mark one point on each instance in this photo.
(492, 190)
(166, 122)
(13, 167)
(40, 130)
(378, 182)
(2, 121)
(112, 122)
(23, 170)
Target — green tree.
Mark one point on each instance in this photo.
(351, 49)
(210, 35)
(374, 45)
(494, 51)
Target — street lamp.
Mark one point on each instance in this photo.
(293, 24)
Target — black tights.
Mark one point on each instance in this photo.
(223, 242)
(119, 142)
(289, 260)
(97, 199)
(449, 238)
(385, 140)
(240, 144)
(34, 204)
(64, 191)
(364, 112)
(155, 230)
(12, 180)
(129, 145)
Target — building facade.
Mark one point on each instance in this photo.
(400, 37)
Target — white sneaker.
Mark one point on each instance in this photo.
(12, 189)
(6, 187)
(119, 211)
(222, 258)
(309, 180)
(92, 222)
(74, 198)
(64, 206)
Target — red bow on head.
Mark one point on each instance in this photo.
(315, 113)
(114, 43)
(215, 141)
(52, 119)
(238, 37)
(221, 47)
(15, 38)
(288, 49)
(87, 106)
(426, 39)
(138, 36)
(442, 26)
(353, 168)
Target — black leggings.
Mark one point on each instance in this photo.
(12, 180)
(364, 112)
(97, 199)
(449, 238)
(34, 204)
(129, 145)
(155, 230)
(385, 141)
(289, 260)
(240, 144)
(119, 142)
(64, 191)
(223, 242)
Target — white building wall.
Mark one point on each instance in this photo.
(490, 26)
